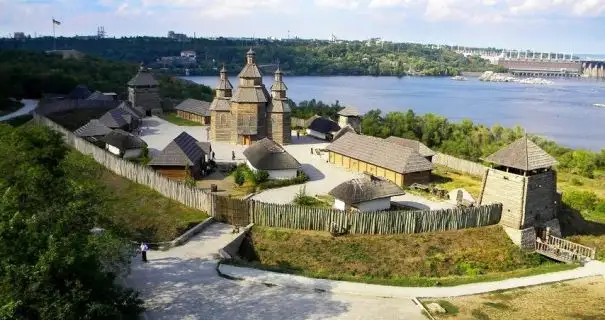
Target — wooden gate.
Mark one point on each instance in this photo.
(232, 211)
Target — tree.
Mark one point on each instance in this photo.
(51, 266)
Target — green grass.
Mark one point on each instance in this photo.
(133, 210)
(445, 258)
(174, 118)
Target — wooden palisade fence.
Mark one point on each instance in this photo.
(241, 212)
(466, 166)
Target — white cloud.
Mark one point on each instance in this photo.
(339, 4)
(390, 3)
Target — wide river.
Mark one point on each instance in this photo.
(563, 111)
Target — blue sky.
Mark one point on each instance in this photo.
(549, 25)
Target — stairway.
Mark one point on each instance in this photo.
(564, 250)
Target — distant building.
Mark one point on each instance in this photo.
(194, 110)
(189, 54)
(350, 116)
(176, 36)
(365, 194)
(144, 91)
(322, 128)
(249, 113)
(19, 36)
(273, 158)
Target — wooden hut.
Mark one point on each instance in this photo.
(380, 158)
(365, 194)
(269, 156)
(322, 128)
(182, 154)
(124, 144)
(194, 110)
(93, 131)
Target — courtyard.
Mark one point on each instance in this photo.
(323, 176)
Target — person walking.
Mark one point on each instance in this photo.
(144, 249)
(233, 155)
(297, 134)
(210, 148)
(213, 155)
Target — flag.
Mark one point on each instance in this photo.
(56, 22)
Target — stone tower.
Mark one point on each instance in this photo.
(220, 110)
(248, 104)
(144, 91)
(350, 116)
(522, 180)
(278, 112)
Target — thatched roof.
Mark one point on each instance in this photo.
(522, 154)
(413, 144)
(265, 154)
(144, 78)
(365, 189)
(116, 118)
(381, 153)
(93, 128)
(183, 150)
(195, 106)
(124, 140)
(349, 111)
(343, 131)
(323, 125)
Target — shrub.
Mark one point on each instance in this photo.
(575, 182)
(580, 200)
(302, 199)
(479, 315)
(301, 177)
(239, 177)
(449, 307)
(261, 176)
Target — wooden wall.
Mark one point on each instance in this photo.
(177, 173)
(221, 126)
(508, 189)
(540, 198)
(399, 179)
(469, 167)
(193, 117)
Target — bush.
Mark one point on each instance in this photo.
(239, 177)
(301, 177)
(581, 201)
(302, 199)
(261, 176)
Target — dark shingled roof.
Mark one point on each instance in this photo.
(124, 140)
(343, 131)
(265, 154)
(381, 153)
(183, 150)
(413, 144)
(143, 79)
(116, 118)
(97, 95)
(80, 92)
(365, 189)
(323, 125)
(136, 112)
(205, 147)
(349, 111)
(195, 106)
(93, 128)
(522, 154)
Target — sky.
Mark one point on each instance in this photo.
(541, 25)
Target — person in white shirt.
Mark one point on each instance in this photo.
(144, 249)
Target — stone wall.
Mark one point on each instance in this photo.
(508, 189)
(524, 238)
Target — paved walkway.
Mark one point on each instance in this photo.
(28, 107)
(182, 283)
(593, 268)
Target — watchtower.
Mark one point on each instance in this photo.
(144, 91)
(278, 112)
(350, 116)
(522, 180)
(220, 110)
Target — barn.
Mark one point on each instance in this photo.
(380, 158)
(267, 155)
(322, 128)
(194, 110)
(415, 145)
(181, 157)
(365, 194)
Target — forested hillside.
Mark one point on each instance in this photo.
(296, 57)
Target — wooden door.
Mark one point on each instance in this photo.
(247, 140)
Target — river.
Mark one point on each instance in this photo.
(563, 111)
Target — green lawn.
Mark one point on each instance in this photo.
(133, 210)
(447, 258)
(174, 118)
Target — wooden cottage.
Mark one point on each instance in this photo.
(365, 194)
(415, 145)
(124, 144)
(350, 116)
(93, 131)
(118, 119)
(182, 154)
(194, 110)
(269, 156)
(380, 158)
(322, 128)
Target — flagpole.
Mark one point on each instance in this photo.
(54, 36)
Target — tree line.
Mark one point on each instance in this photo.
(296, 57)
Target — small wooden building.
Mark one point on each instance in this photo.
(349, 115)
(118, 119)
(365, 194)
(124, 144)
(380, 158)
(93, 132)
(415, 145)
(322, 128)
(269, 156)
(182, 154)
(194, 110)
